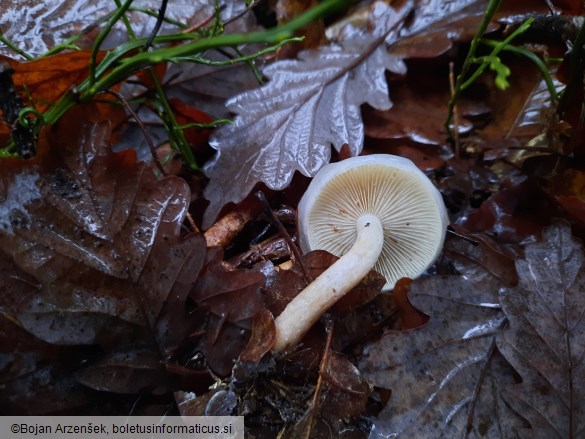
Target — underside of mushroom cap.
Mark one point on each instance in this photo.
(409, 207)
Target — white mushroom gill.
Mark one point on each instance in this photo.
(375, 212)
(409, 207)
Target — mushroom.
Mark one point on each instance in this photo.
(376, 212)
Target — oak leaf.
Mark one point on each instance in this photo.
(290, 124)
(458, 375)
(100, 234)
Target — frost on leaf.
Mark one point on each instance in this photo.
(307, 106)
(491, 362)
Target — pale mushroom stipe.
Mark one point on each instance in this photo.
(376, 212)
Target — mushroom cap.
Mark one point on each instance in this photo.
(410, 208)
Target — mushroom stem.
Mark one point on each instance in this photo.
(306, 308)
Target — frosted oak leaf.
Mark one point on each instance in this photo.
(308, 105)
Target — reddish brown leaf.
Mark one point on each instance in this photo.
(221, 342)
(230, 294)
(573, 7)
(418, 98)
(466, 186)
(187, 114)
(575, 206)
(228, 301)
(366, 323)
(518, 211)
(411, 317)
(342, 398)
(124, 372)
(495, 258)
(50, 77)
(261, 338)
(568, 189)
(158, 70)
(435, 37)
(348, 390)
(313, 35)
(98, 231)
(520, 109)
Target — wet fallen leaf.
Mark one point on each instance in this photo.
(45, 389)
(416, 99)
(132, 371)
(409, 315)
(314, 34)
(544, 339)
(568, 189)
(285, 125)
(458, 373)
(97, 230)
(261, 338)
(49, 78)
(438, 25)
(342, 398)
(513, 214)
(228, 301)
(37, 27)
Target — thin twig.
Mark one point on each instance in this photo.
(319, 386)
(191, 222)
(205, 22)
(248, 8)
(455, 112)
(159, 21)
(147, 137)
(283, 232)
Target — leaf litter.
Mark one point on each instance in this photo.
(107, 291)
(448, 378)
